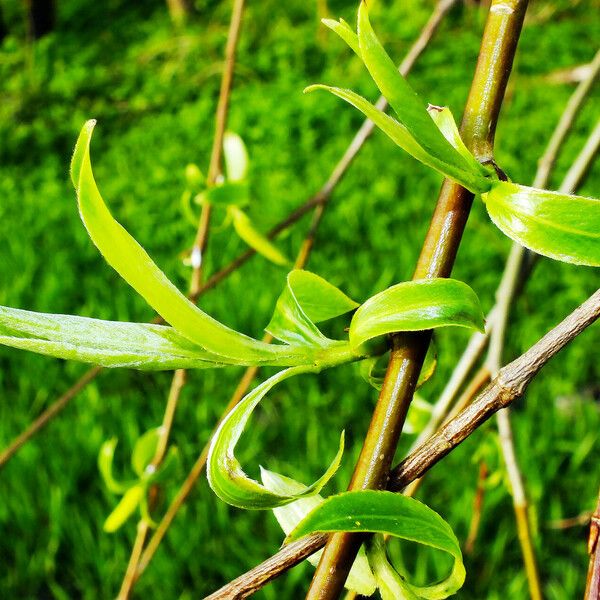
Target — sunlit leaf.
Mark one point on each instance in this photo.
(443, 118)
(410, 108)
(236, 157)
(145, 449)
(106, 343)
(236, 193)
(194, 177)
(105, 462)
(132, 262)
(127, 505)
(307, 299)
(360, 578)
(345, 32)
(563, 227)
(167, 469)
(416, 306)
(391, 514)
(224, 472)
(256, 240)
(402, 137)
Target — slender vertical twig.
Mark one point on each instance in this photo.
(509, 385)
(301, 260)
(200, 242)
(592, 588)
(498, 47)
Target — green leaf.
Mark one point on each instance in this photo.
(391, 514)
(194, 177)
(307, 299)
(390, 584)
(444, 120)
(105, 462)
(224, 472)
(167, 470)
(132, 262)
(410, 108)
(236, 157)
(256, 240)
(562, 227)
(225, 194)
(402, 137)
(127, 505)
(106, 343)
(360, 579)
(144, 450)
(416, 306)
(345, 32)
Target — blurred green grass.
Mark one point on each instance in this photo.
(153, 90)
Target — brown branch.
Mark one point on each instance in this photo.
(509, 385)
(319, 203)
(592, 588)
(498, 47)
(477, 508)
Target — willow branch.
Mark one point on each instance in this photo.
(301, 260)
(200, 242)
(509, 385)
(592, 588)
(438, 253)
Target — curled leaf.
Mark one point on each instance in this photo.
(224, 472)
(360, 579)
(127, 505)
(132, 262)
(144, 450)
(389, 514)
(560, 226)
(106, 458)
(256, 240)
(416, 306)
(307, 299)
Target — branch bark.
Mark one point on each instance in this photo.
(509, 385)
(498, 47)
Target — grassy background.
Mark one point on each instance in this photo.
(153, 90)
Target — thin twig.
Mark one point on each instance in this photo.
(200, 242)
(321, 197)
(55, 408)
(509, 385)
(592, 588)
(301, 260)
(436, 259)
(506, 293)
(477, 508)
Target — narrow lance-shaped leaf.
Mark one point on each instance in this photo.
(132, 262)
(144, 450)
(236, 157)
(105, 462)
(411, 110)
(563, 227)
(307, 299)
(416, 306)
(105, 343)
(389, 514)
(256, 240)
(400, 135)
(125, 508)
(224, 472)
(360, 579)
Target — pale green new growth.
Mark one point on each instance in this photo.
(392, 514)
